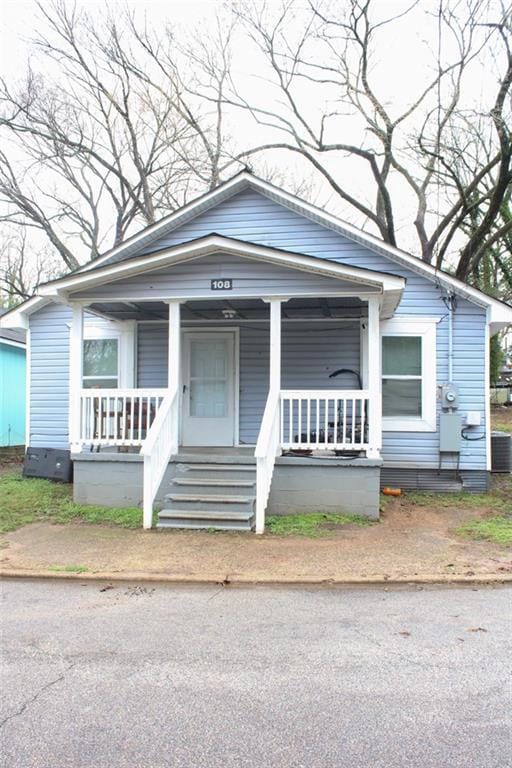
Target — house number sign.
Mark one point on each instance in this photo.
(222, 284)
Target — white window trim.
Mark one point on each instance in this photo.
(427, 329)
(124, 332)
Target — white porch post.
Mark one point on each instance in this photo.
(374, 379)
(76, 336)
(275, 344)
(174, 350)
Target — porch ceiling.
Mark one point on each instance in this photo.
(234, 310)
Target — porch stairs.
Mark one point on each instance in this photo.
(211, 492)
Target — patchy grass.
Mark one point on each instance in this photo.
(29, 500)
(495, 522)
(496, 529)
(494, 500)
(311, 525)
(68, 568)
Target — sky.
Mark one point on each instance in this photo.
(400, 73)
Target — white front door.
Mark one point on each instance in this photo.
(209, 388)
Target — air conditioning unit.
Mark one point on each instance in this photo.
(501, 452)
(48, 463)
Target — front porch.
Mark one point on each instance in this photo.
(232, 344)
(307, 341)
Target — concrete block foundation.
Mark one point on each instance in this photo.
(299, 484)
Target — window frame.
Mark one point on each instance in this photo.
(426, 329)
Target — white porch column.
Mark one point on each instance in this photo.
(374, 379)
(76, 337)
(275, 344)
(174, 350)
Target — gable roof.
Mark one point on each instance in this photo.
(499, 313)
(246, 180)
(390, 286)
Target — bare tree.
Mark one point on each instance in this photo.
(129, 122)
(22, 267)
(107, 140)
(335, 49)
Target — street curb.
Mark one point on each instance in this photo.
(235, 581)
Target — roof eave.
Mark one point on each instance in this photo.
(64, 287)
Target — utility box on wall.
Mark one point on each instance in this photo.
(450, 424)
(50, 463)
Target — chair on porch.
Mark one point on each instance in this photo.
(130, 417)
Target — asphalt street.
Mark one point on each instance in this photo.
(157, 676)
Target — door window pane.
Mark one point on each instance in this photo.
(208, 378)
(401, 355)
(208, 359)
(401, 397)
(208, 399)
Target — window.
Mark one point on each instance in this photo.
(101, 363)
(401, 376)
(409, 375)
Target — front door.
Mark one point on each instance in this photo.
(209, 388)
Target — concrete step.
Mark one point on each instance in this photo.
(225, 471)
(208, 501)
(211, 458)
(218, 467)
(217, 525)
(201, 514)
(215, 485)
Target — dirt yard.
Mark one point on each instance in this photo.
(416, 538)
(412, 540)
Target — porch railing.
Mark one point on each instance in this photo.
(160, 444)
(117, 416)
(324, 419)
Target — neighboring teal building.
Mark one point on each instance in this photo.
(12, 387)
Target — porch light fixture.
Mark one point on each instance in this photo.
(229, 314)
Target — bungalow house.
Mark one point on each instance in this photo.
(251, 353)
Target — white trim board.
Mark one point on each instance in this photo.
(12, 343)
(204, 246)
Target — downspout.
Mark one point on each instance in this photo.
(450, 305)
(450, 340)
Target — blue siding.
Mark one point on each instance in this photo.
(252, 216)
(12, 394)
(49, 371)
(192, 279)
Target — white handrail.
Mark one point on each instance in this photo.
(160, 444)
(267, 448)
